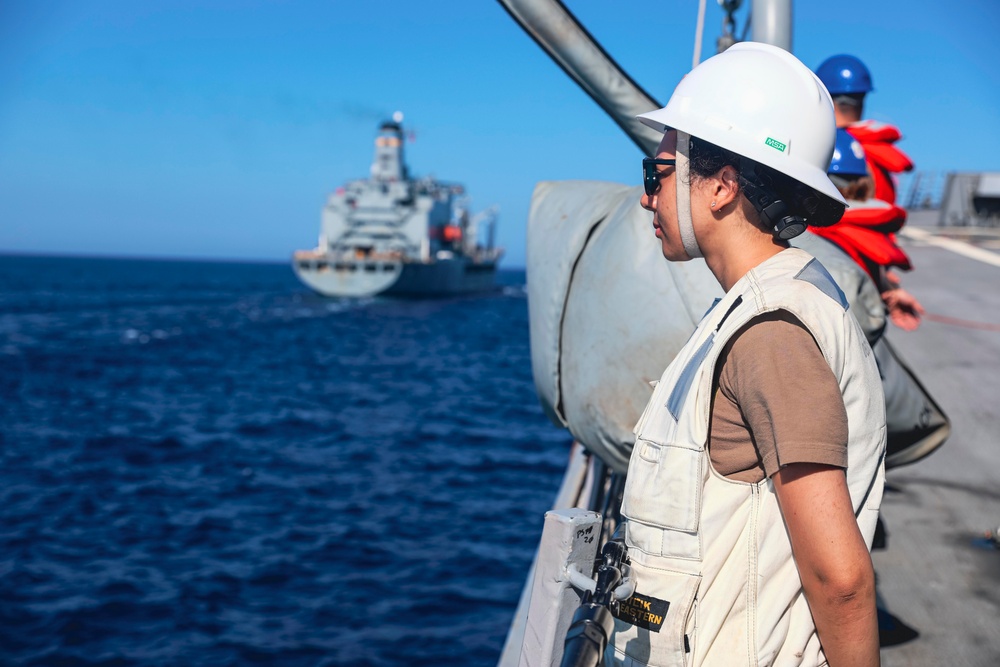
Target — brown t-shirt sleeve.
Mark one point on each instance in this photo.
(787, 396)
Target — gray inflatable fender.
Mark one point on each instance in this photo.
(560, 222)
(607, 313)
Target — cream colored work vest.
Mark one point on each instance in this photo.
(716, 550)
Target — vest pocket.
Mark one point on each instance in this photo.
(673, 643)
(664, 486)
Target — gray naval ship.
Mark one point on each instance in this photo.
(398, 235)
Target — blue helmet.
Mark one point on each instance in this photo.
(845, 75)
(848, 156)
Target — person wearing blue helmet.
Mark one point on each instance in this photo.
(848, 157)
(867, 234)
(848, 169)
(867, 230)
(848, 80)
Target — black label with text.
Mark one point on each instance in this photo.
(643, 611)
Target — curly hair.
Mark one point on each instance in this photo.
(856, 188)
(707, 159)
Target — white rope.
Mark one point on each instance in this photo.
(699, 32)
(579, 580)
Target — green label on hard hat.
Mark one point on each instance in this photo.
(774, 143)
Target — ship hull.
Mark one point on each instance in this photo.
(410, 279)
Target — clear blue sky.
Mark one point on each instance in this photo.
(216, 129)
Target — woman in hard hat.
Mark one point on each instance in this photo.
(756, 476)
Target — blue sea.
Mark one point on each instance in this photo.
(205, 464)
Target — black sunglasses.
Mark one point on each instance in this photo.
(650, 176)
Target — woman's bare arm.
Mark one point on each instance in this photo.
(833, 561)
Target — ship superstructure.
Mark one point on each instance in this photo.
(394, 234)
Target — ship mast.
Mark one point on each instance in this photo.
(389, 165)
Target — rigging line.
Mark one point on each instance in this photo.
(699, 32)
(968, 324)
(747, 25)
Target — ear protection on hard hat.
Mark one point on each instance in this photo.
(772, 209)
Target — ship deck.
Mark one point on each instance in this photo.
(939, 576)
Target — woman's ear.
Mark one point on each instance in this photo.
(725, 187)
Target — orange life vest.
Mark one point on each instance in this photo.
(867, 234)
(883, 158)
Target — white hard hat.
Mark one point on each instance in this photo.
(760, 102)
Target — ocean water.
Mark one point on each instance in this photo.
(205, 464)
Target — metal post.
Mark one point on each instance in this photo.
(569, 542)
(772, 22)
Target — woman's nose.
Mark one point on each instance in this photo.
(646, 201)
